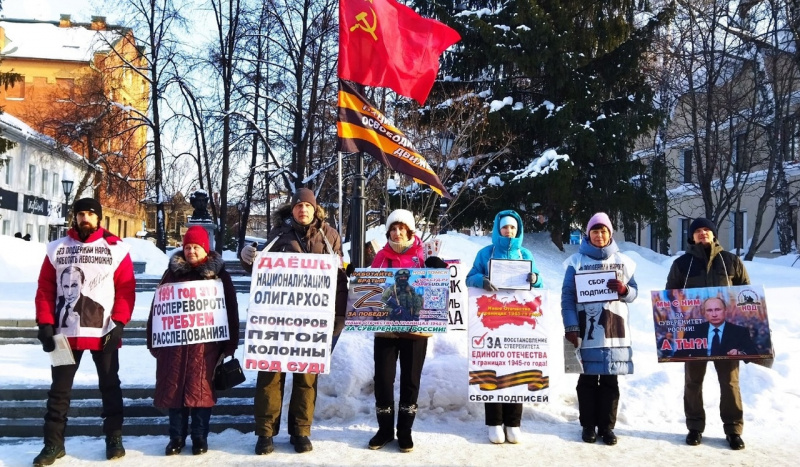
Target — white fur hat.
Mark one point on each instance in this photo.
(402, 216)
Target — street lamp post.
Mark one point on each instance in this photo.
(66, 185)
(446, 140)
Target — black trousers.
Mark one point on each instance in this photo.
(411, 353)
(503, 413)
(58, 399)
(598, 399)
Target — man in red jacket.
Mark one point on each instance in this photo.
(106, 274)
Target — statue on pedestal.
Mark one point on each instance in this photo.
(199, 201)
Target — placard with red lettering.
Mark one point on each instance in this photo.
(291, 313)
(189, 313)
(508, 346)
(457, 302)
(712, 323)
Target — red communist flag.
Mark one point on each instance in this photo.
(385, 44)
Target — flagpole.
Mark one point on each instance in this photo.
(357, 238)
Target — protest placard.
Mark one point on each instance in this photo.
(711, 323)
(398, 300)
(591, 286)
(291, 313)
(508, 346)
(457, 306)
(189, 312)
(510, 273)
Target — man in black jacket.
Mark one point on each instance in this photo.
(707, 264)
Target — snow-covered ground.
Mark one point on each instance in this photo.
(449, 430)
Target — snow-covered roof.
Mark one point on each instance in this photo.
(48, 41)
(10, 123)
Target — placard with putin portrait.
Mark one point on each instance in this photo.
(712, 323)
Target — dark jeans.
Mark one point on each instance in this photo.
(598, 398)
(179, 422)
(504, 413)
(411, 353)
(55, 420)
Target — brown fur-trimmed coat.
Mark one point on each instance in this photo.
(184, 373)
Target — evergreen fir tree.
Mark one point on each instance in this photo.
(564, 76)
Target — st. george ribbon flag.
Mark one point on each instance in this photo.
(363, 128)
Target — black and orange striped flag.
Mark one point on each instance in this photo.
(363, 128)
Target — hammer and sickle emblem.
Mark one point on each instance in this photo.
(370, 28)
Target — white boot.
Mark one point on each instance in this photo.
(513, 434)
(496, 434)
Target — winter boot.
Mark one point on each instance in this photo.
(114, 447)
(49, 454)
(385, 427)
(405, 420)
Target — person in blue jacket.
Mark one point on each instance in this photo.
(506, 244)
(600, 329)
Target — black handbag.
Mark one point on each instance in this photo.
(228, 374)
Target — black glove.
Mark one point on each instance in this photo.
(350, 269)
(112, 339)
(435, 262)
(45, 336)
(533, 277)
(617, 286)
(488, 286)
(572, 337)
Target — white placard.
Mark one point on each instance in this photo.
(510, 273)
(592, 287)
(189, 312)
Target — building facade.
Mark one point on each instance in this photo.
(82, 88)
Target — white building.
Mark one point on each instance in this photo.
(32, 200)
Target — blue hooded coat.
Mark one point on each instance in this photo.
(501, 248)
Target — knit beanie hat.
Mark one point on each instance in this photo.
(600, 218)
(507, 220)
(404, 217)
(88, 204)
(698, 223)
(304, 195)
(197, 235)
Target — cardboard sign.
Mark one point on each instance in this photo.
(508, 346)
(686, 319)
(591, 287)
(189, 313)
(457, 306)
(386, 300)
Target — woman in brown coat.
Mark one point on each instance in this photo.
(184, 373)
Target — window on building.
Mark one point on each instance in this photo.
(108, 223)
(686, 165)
(66, 89)
(45, 181)
(741, 159)
(739, 220)
(685, 233)
(29, 229)
(17, 91)
(6, 227)
(119, 227)
(653, 238)
(9, 163)
(31, 177)
(42, 237)
(56, 185)
(125, 229)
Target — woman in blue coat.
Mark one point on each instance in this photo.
(506, 244)
(600, 329)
